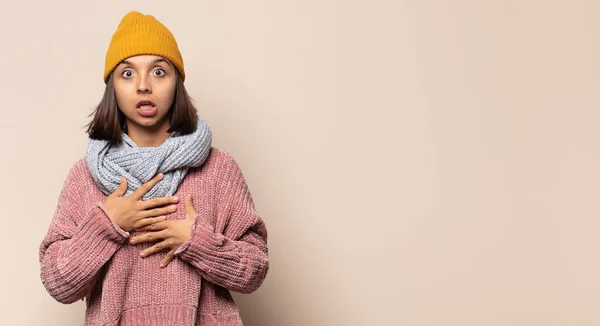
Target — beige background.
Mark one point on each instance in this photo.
(416, 162)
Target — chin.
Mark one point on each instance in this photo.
(148, 122)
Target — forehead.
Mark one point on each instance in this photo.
(144, 60)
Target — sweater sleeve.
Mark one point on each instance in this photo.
(235, 257)
(79, 241)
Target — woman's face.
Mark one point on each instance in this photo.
(145, 88)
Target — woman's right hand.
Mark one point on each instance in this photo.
(131, 212)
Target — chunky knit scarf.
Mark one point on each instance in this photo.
(108, 163)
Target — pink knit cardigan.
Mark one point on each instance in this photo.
(86, 255)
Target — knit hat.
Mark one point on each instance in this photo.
(139, 34)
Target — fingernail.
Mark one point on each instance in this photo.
(142, 254)
(132, 241)
(173, 207)
(175, 198)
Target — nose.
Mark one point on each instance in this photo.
(144, 86)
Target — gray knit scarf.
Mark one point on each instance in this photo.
(108, 163)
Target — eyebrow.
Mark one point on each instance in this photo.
(159, 60)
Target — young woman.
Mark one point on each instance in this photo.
(154, 226)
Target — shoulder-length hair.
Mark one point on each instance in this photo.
(109, 122)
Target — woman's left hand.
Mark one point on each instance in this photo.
(173, 234)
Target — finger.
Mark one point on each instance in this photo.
(158, 211)
(151, 224)
(189, 207)
(149, 237)
(121, 189)
(168, 258)
(143, 189)
(155, 248)
(159, 226)
(158, 202)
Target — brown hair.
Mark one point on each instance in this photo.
(109, 121)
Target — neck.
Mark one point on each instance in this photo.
(148, 136)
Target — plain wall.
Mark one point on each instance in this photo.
(416, 162)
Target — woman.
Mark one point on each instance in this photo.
(154, 226)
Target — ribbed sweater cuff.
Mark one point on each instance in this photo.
(193, 232)
(120, 231)
(203, 243)
(98, 228)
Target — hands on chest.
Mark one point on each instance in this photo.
(132, 213)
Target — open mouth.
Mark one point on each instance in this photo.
(145, 105)
(146, 108)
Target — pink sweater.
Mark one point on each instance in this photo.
(86, 255)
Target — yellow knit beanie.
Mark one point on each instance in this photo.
(139, 34)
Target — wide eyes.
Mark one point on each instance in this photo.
(158, 72)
